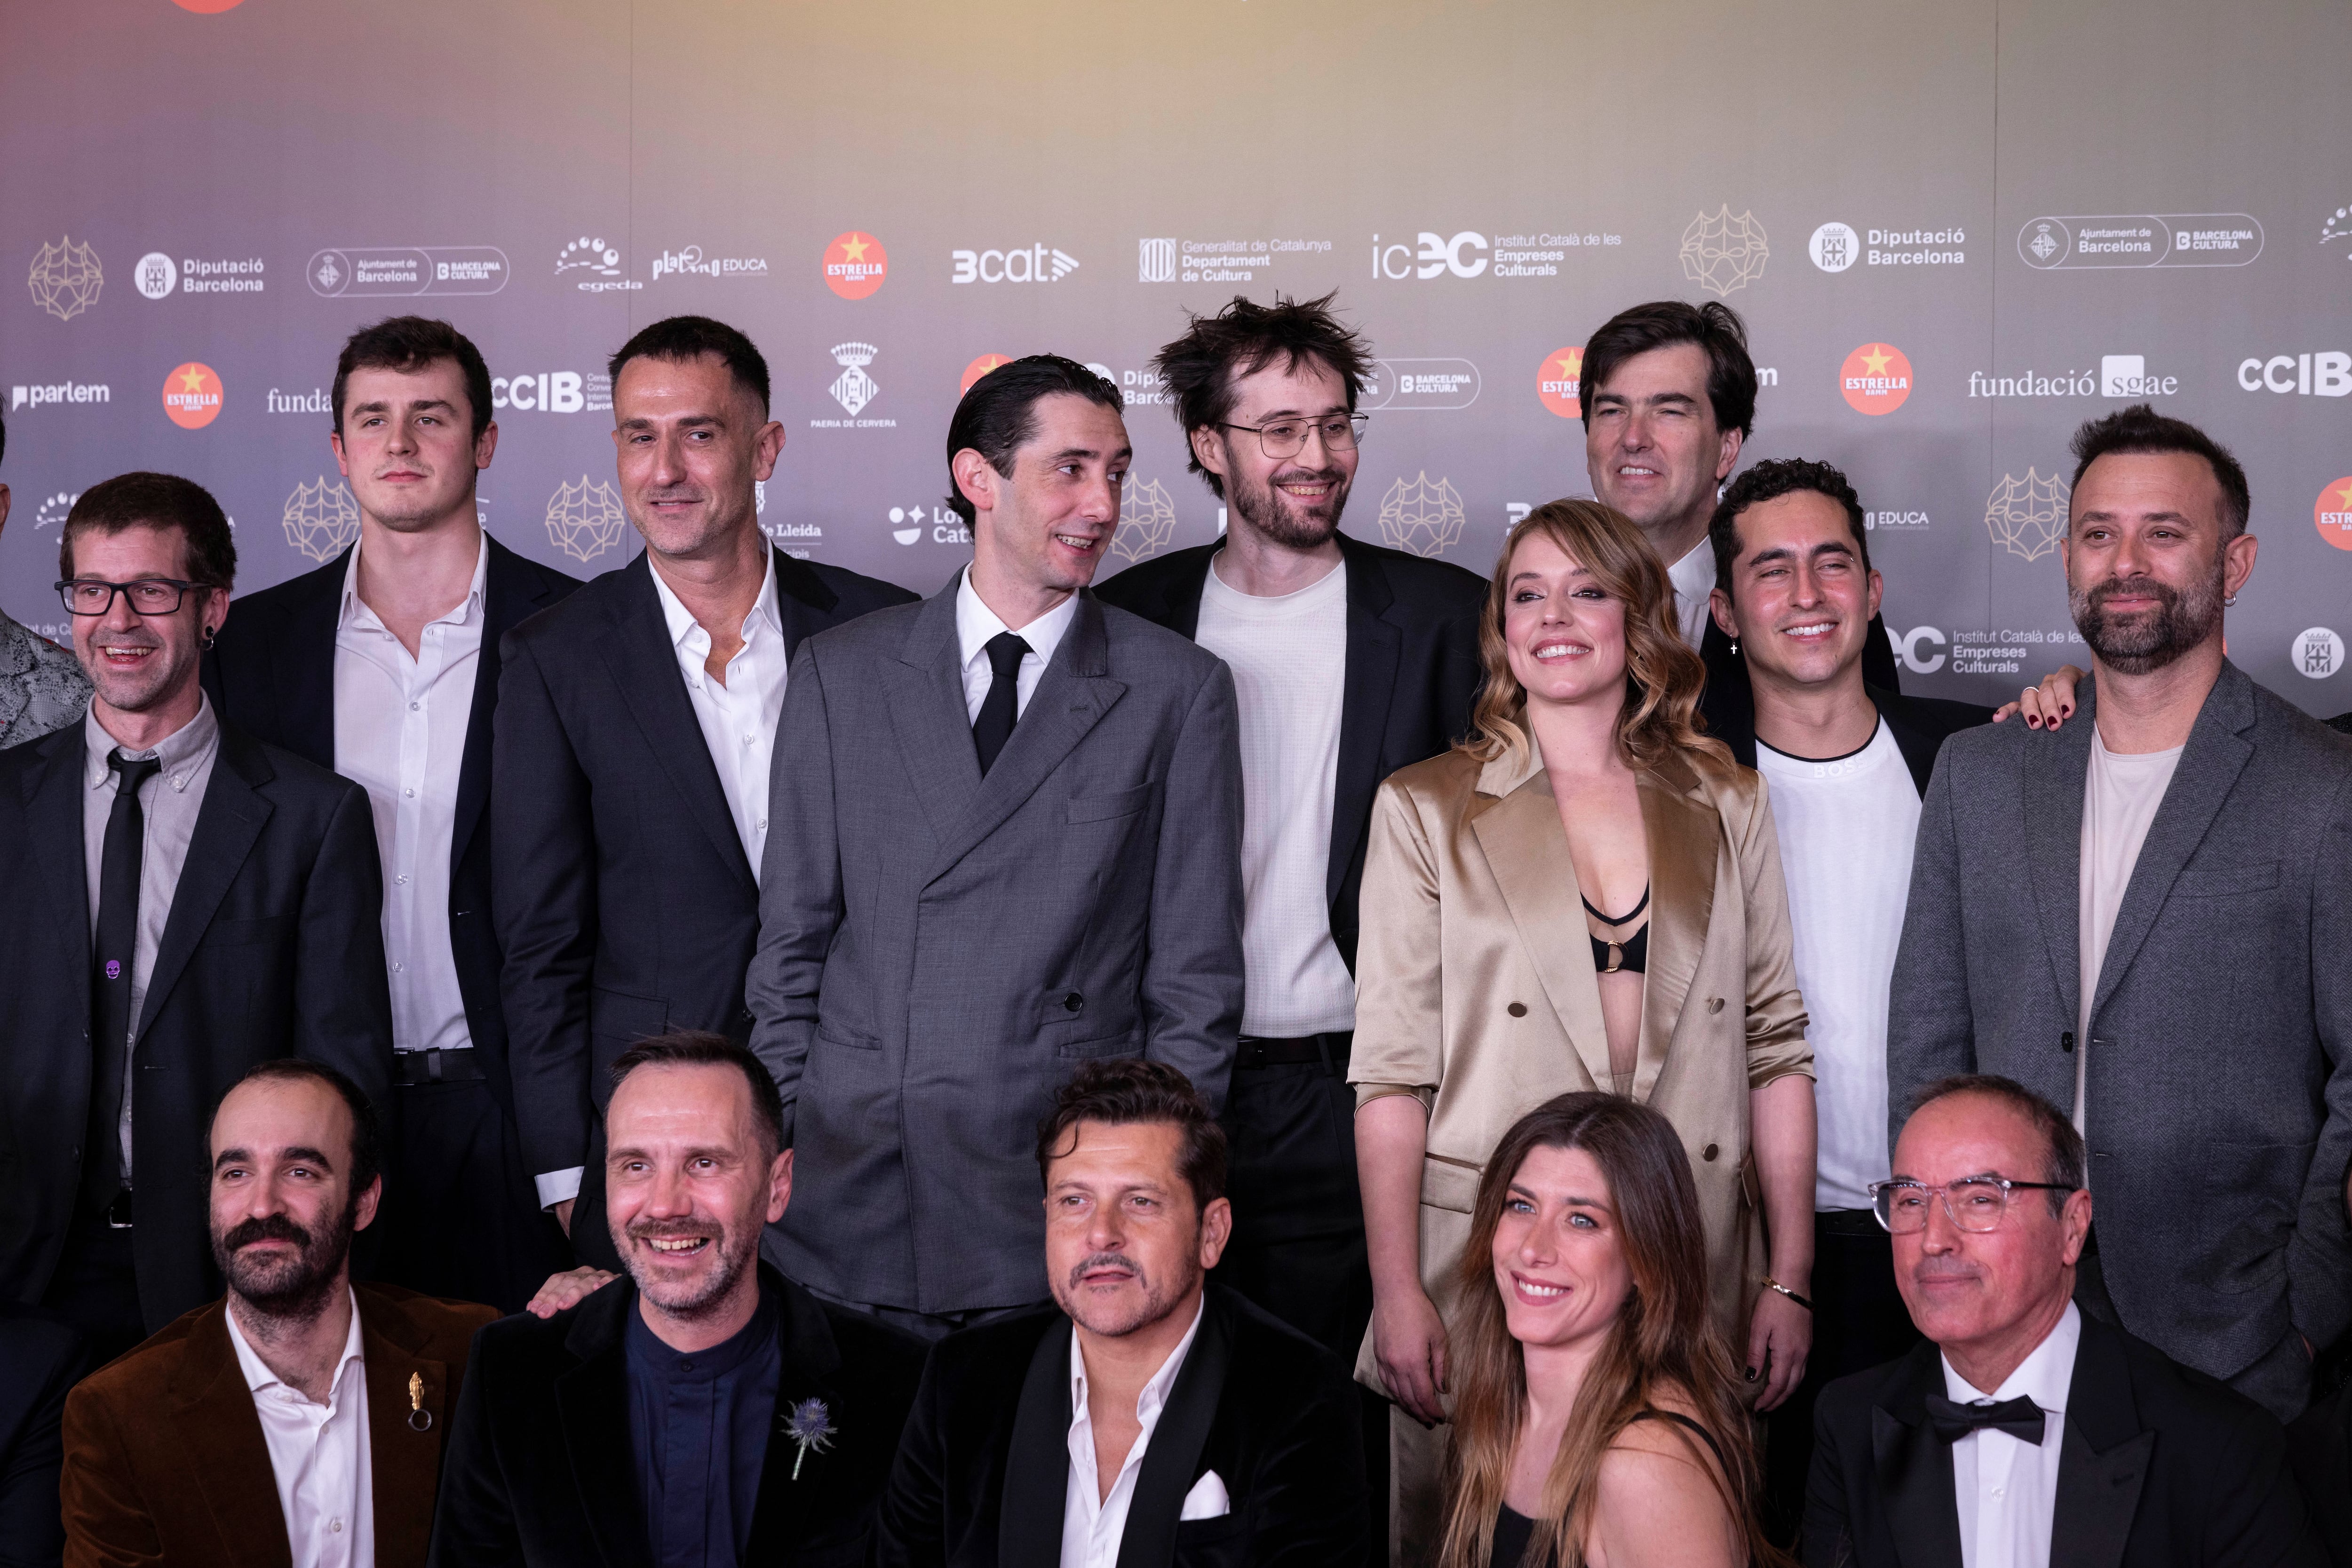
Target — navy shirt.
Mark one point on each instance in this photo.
(698, 1427)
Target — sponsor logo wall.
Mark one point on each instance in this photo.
(1936, 293)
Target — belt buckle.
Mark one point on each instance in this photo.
(117, 1213)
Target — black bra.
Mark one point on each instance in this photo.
(1627, 955)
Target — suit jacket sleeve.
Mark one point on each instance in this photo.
(107, 1522)
(1776, 1013)
(800, 885)
(1192, 990)
(342, 1000)
(1828, 1534)
(1307, 1497)
(473, 1516)
(2319, 1256)
(910, 1520)
(543, 897)
(1400, 1016)
(1930, 1032)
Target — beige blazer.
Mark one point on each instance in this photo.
(1477, 994)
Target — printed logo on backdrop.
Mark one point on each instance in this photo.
(157, 275)
(908, 522)
(554, 392)
(1470, 253)
(1725, 253)
(66, 278)
(2118, 375)
(314, 401)
(1403, 385)
(1875, 379)
(1157, 260)
(1895, 522)
(61, 392)
(1040, 263)
(2332, 514)
(1835, 246)
(193, 395)
(1146, 387)
(321, 519)
(691, 262)
(2140, 240)
(600, 261)
(53, 512)
(2328, 374)
(855, 265)
(2316, 652)
(2337, 226)
(2027, 516)
(1559, 381)
(1147, 520)
(1999, 650)
(979, 368)
(402, 269)
(1422, 517)
(854, 389)
(586, 520)
(796, 540)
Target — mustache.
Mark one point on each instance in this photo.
(264, 1227)
(1306, 476)
(1120, 1261)
(2164, 594)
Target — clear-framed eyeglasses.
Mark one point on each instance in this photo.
(1972, 1204)
(1280, 438)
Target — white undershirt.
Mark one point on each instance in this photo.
(976, 624)
(400, 734)
(1846, 828)
(319, 1454)
(2007, 1491)
(1289, 658)
(2120, 797)
(1092, 1524)
(1694, 583)
(738, 718)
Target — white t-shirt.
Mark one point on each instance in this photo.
(2120, 795)
(1289, 660)
(1847, 827)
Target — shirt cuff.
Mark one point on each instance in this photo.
(557, 1187)
(1367, 1092)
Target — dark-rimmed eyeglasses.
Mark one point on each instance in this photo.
(1973, 1203)
(148, 595)
(1280, 438)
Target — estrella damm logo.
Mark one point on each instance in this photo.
(1876, 378)
(855, 265)
(1558, 383)
(191, 396)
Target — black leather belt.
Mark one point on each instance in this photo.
(411, 1069)
(1328, 1049)
(117, 1213)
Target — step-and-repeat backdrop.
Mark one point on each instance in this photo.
(1956, 228)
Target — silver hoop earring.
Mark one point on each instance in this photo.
(2229, 600)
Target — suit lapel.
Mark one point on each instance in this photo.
(231, 820)
(1173, 1457)
(803, 604)
(791, 1478)
(1370, 687)
(302, 666)
(1527, 852)
(1915, 1469)
(2104, 1462)
(2055, 768)
(1682, 832)
(511, 593)
(1037, 1465)
(224, 1449)
(925, 684)
(1918, 746)
(591, 1407)
(405, 1463)
(644, 664)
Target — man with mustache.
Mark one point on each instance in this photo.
(707, 1411)
(2141, 916)
(301, 1398)
(1146, 1415)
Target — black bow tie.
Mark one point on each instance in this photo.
(2019, 1417)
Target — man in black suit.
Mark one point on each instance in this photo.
(184, 901)
(2025, 1433)
(634, 731)
(706, 1411)
(1145, 1418)
(383, 665)
(40, 1361)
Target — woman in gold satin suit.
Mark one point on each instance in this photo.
(1584, 895)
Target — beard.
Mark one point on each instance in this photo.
(1287, 523)
(293, 1289)
(2137, 644)
(734, 1249)
(1130, 1311)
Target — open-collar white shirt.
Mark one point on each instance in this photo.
(1094, 1524)
(319, 1453)
(738, 718)
(2007, 1491)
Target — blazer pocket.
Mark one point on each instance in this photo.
(616, 1014)
(1103, 808)
(1123, 1043)
(1449, 1184)
(2228, 879)
(1200, 1534)
(833, 1035)
(244, 933)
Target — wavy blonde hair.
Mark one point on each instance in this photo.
(1663, 677)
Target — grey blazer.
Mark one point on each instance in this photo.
(938, 952)
(2219, 1094)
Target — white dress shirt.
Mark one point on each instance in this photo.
(319, 1453)
(1092, 1524)
(2007, 1491)
(976, 623)
(738, 718)
(1693, 580)
(400, 734)
(169, 803)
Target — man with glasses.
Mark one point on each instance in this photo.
(1350, 661)
(185, 901)
(2025, 1433)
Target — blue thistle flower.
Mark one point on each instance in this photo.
(810, 1425)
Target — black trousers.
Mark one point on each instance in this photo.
(96, 1289)
(1859, 1322)
(462, 1218)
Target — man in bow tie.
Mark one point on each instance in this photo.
(2024, 1433)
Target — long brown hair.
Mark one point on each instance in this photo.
(1662, 1345)
(1663, 676)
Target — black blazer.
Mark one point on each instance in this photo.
(272, 674)
(624, 903)
(541, 1471)
(39, 1363)
(2163, 1467)
(274, 947)
(984, 1470)
(1414, 673)
(1919, 725)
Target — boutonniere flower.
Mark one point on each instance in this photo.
(810, 1425)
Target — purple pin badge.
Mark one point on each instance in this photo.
(114, 969)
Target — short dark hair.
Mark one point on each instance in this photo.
(409, 343)
(2062, 1165)
(999, 415)
(160, 501)
(701, 1047)
(2140, 428)
(4, 438)
(1120, 1092)
(676, 340)
(1216, 352)
(1714, 327)
(1770, 480)
(367, 1129)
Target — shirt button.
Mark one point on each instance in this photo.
(415, 706)
(396, 968)
(763, 825)
(336, 1525)
(402, 880)
(409, 793)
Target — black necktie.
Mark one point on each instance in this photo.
(109, 1000)
(2019, 1417)
(997, 712)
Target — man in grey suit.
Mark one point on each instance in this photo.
(2142, 915)
(1006, 840)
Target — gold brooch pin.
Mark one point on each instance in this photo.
(419, 1418)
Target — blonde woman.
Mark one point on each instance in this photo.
(1584, 895)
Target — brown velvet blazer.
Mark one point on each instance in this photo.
(165, 1463)
(1475, 989)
